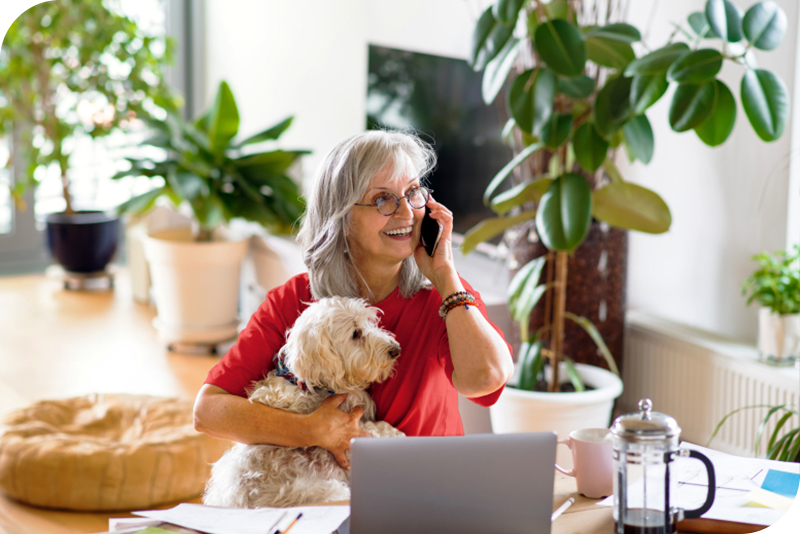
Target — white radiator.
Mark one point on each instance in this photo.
(698, 377)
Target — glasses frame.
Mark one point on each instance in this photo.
(427, 191)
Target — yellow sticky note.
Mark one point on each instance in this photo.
(767, 499)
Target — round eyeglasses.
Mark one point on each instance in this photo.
(389, 203)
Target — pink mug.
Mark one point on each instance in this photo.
(592, 458)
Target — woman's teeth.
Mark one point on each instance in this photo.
(400, 231)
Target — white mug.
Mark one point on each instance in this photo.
(592, 458)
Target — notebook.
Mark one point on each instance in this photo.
(498, 483)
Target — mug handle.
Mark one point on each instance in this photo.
(712, 486)
(570, 473)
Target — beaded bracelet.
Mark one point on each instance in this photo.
(459, 298)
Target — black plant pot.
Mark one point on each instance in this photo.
(84, 241)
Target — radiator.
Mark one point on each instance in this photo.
(698, 378)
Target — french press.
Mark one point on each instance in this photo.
(645, 443)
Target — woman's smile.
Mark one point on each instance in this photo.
(402, 233)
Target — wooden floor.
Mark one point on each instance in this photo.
(57, 344)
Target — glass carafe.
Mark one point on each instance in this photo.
(645, 444)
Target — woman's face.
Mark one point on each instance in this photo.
(377, 238)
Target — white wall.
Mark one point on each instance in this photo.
(727, 203)
(309, 58)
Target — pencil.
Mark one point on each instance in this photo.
(561, 509)
(296, 519)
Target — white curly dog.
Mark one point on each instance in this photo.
(336, 346)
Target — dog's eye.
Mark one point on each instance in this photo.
(356, 334)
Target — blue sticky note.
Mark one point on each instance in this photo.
(782, 483)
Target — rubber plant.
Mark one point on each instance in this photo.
(578, 93)
(218, 178)
(70, 67)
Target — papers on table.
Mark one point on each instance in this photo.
(214, 520)
(737, 481)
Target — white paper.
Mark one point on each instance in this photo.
(735, 476)
(214, 520)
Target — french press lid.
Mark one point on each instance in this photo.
(646, 425)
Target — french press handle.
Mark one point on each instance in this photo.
(712, 484)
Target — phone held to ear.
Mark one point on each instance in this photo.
(430, 232)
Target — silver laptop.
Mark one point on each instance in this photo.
(481, 483)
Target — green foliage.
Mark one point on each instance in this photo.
(776, 284)
(207, 169)
(785, 448)
(64, 56)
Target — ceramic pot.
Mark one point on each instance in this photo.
(84, 241)
(195, 286)
(778, 337)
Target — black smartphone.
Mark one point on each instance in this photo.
(429, 233)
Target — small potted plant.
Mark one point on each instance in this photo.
(69, 68)
(195, 273)
(776, 287)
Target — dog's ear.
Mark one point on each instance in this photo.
(310, 356)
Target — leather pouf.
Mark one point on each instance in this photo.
(105, 452)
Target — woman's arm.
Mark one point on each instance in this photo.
(481, 360)
(226, 416)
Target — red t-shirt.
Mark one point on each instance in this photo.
(418, 399)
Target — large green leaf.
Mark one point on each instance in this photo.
(699, 24)
(725, 19)
(488, 228)
(497, 70)
(188, 185)
(639, 136)
(530, 99)
(208, 210)
(561, 47)
(631, 206)
(590, 148)
(222, 122)
(766, 102)
(612, 106)
(504, 173)
(619, 31)
(699, 66)
(718, 126)
(270, 134)
(519, 195)
(578, 87)
(565, 213)
(531, 365)
(527, 301)
(657, 61)
(140, 203)
(506, 11)
(273, 162)
(488, 38)
(691, 105)
(531, 271)
(557, 129)
(609, 52)
(764, 25)
(646, 90)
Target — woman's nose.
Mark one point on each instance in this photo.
(405, 210)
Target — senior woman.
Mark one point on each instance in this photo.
(360, 238)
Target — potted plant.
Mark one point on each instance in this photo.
(67, 68)
(579, 94)
(195, 273)
(784, 441)
(776, 286)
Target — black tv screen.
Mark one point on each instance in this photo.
(440, 98)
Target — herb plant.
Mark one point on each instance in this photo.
(776, 284)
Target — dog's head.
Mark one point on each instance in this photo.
(336, 343)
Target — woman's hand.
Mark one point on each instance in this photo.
(333, 429)
(439, 268)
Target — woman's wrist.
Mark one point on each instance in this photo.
(448, 284)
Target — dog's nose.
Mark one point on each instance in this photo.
(394, 352)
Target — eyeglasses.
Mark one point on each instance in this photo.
(389, 203)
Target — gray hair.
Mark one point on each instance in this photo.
(341, 181)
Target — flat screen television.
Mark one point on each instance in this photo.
(440, 98)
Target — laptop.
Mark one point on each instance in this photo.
(481, 483)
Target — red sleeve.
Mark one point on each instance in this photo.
(250, 359)
(444, 350)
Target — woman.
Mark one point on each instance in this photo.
(360, 238)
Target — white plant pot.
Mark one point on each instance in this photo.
(778, 337)
(195, 286)
(532, 411)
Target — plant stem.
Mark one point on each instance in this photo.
(560, 289)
